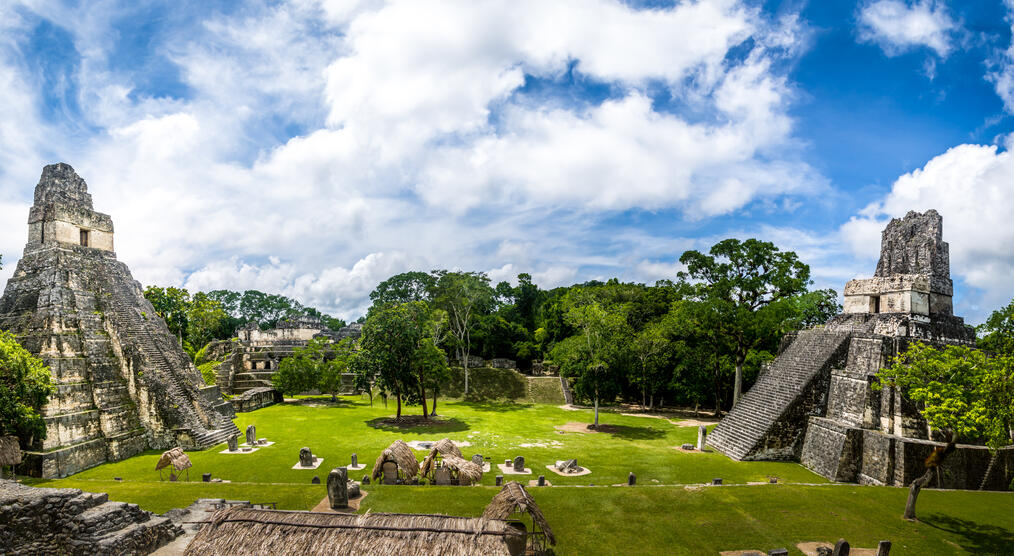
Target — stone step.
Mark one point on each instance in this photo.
(760, 408)
(103, 519)
(139, 538)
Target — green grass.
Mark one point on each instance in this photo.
(659, 516)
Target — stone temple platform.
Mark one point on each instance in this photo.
(816, 404)
(124, 384)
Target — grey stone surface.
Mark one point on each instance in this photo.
(477, 459)
(338, 488)
(251, 435)
(779, 552)
(315, 480)
(233, 443)
(568, 466)
(716, 481)
(366, 479)
(69, 521)
(816, 403)
(702, 434)
(499, 480)
(841, 548)
(631, 479)
(355, 460)
(519, 463)
(542, 480)
(884, 548)
(305, 457)
(124, 384)
(255, 398)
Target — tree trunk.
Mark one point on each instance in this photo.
(596, 408)
(718, 390)
(436, 394)
(398, 416)
(651, 404)
(913, 493)
(422, 393)
(737, 390)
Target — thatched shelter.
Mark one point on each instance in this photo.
(512, 503)
(10, 453)
(240, 530)
(176, 459)
(461, 471)
(406, 466)
(441, 448)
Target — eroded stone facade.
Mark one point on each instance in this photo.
(124, 385)
(816, 404)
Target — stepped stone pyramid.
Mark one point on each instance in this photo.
(815, 403)
(124, 385)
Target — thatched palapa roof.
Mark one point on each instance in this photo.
(240, 530)
(443, 447)
(401, 454)
(174, 457)
(10, 452)
(514, 498)
(467, 471)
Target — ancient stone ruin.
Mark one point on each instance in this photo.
(816, 405)
(124, 385)
(247, 364)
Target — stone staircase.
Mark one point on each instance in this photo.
(69, 521)
(208, 427)
(769, 420)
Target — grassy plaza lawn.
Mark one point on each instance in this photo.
(668, 512)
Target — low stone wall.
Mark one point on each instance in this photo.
(256, 398)
(69, 521)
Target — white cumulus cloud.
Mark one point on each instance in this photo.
(898, 26)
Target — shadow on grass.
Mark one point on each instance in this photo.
(977, 538)
(322, 401)
(494, 406)
(631, 433)
(415, 423)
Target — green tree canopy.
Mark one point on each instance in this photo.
(997, 333)
(747, 282)
(25, 386)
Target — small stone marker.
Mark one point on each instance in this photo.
(687, 446)
(206, 477)
(234, 443)
(567, 466)
(841, 548)
(773, 480)
(823, 551)
(631, 479)
(117, 478)
(779, 552)
(716, 481)
(507, 462)
(315, 480)
(519, 464)
(477, 459)
(251, 435)
(355, 460)
(499, 480)
(542, 480)
(338, 488)
(702, 433)
(305, 457)
(884, 548)
(366, 479)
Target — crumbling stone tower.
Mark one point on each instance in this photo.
(124, 385)
(816, 404)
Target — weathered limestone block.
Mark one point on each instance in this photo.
(338, 488)
(123, 384)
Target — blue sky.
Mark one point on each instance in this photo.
(316, 147)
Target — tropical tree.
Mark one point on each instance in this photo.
(205, 319)
(302, 371)
(997, 333)
(403, 288)
(964, 392)
(591, 355)
(390, 339)
(747, 282)
(337, 361)
(172, 305)
(25, 386)
(649, 347)
(463, 295)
